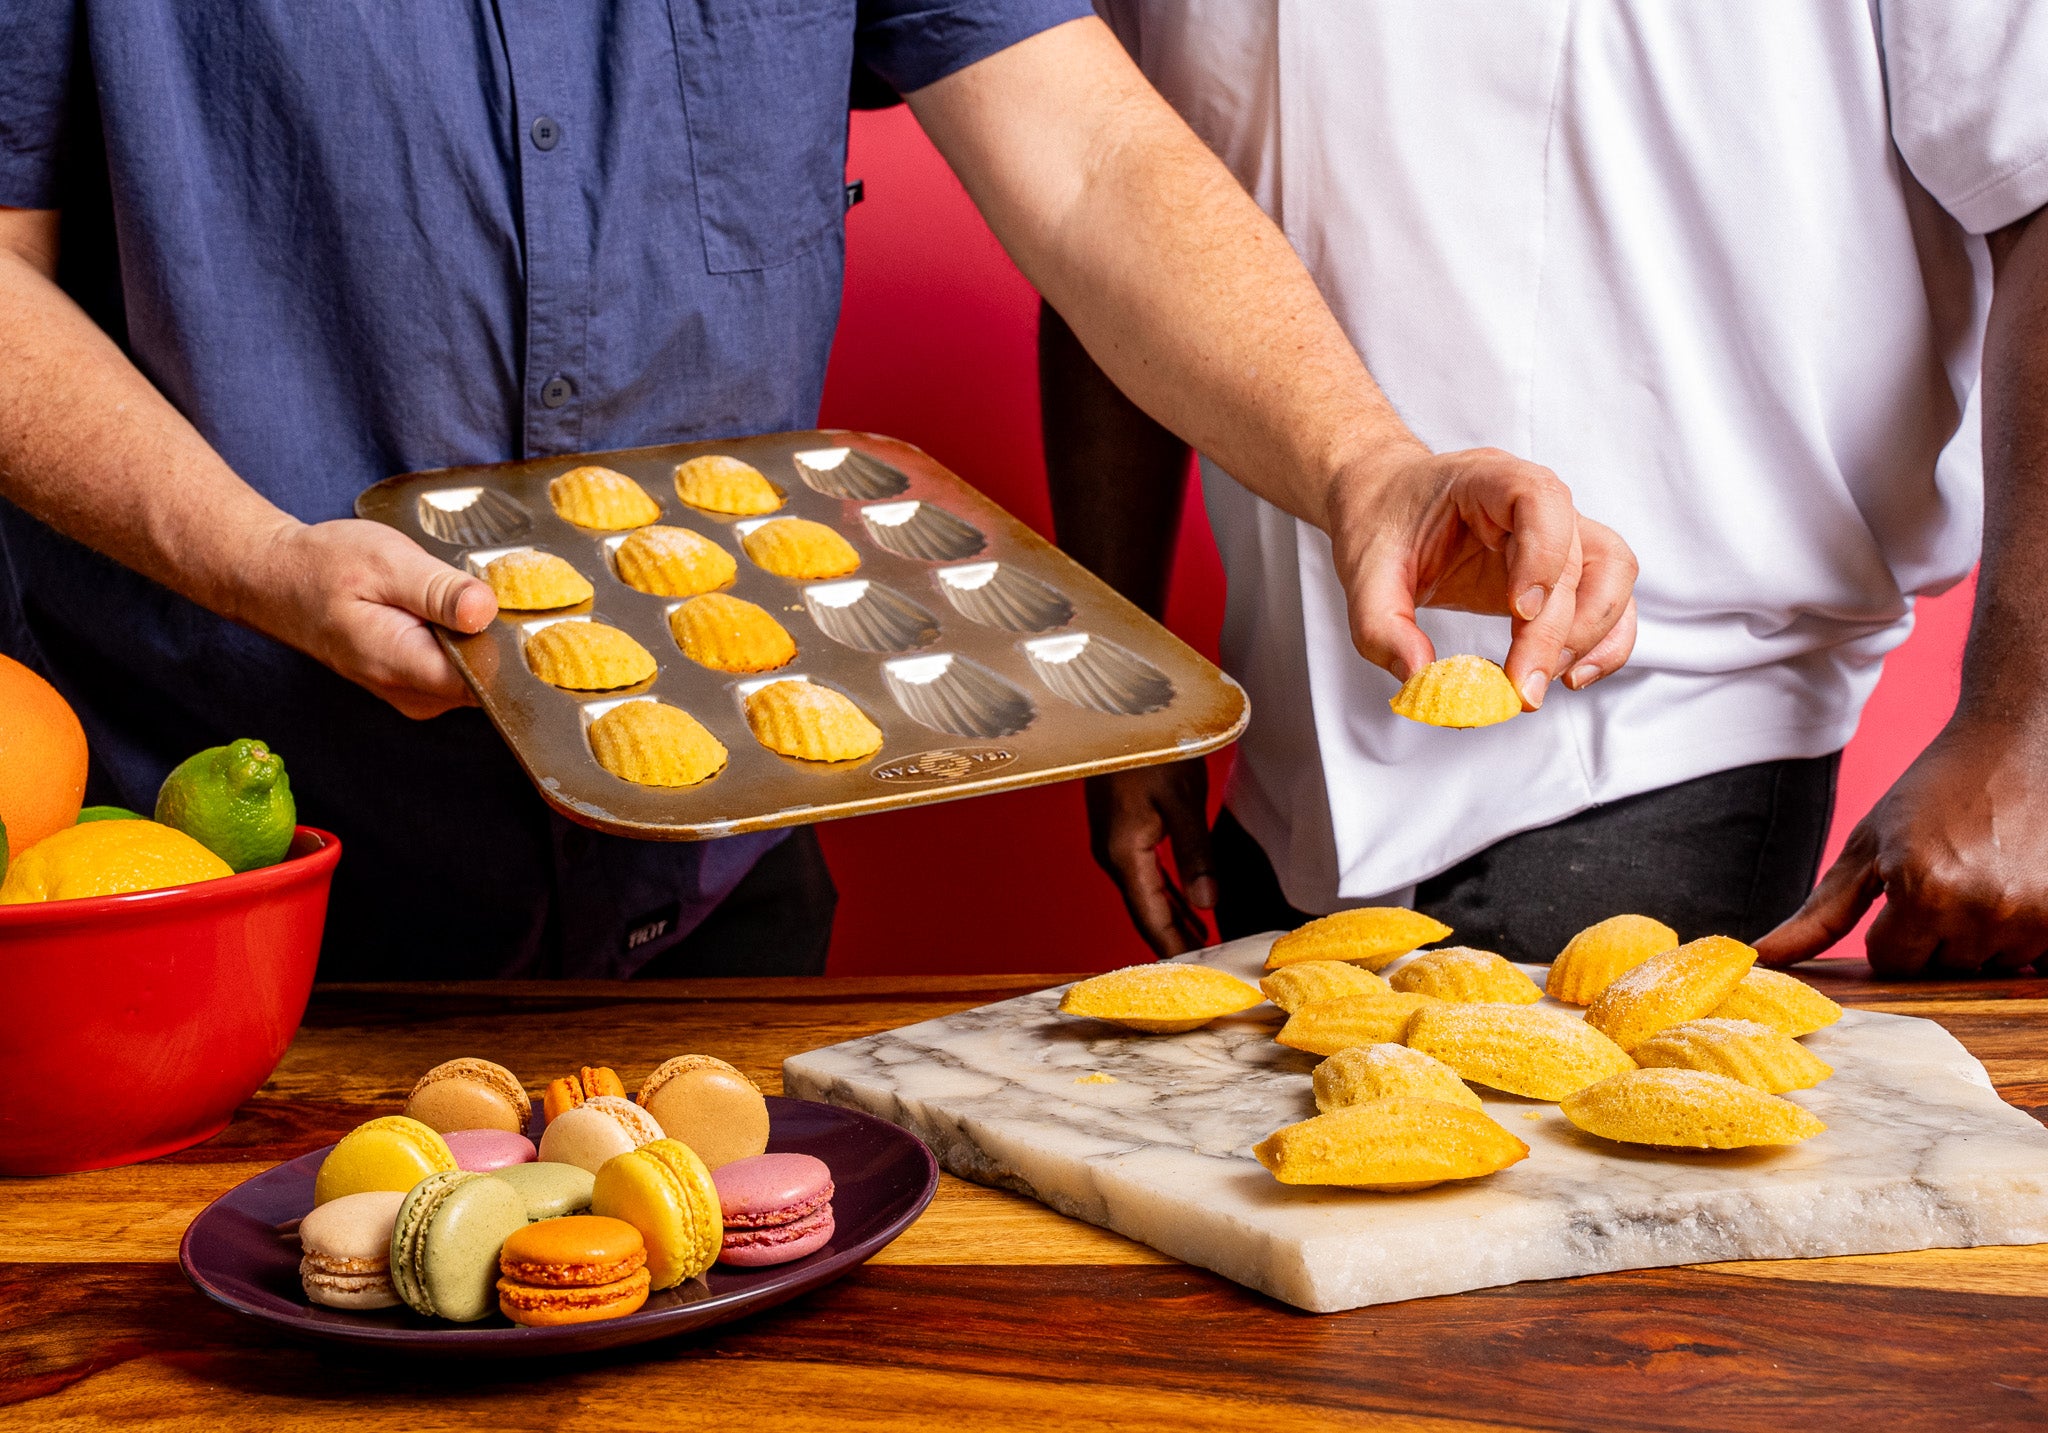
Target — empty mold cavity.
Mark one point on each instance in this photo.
(471, 517)
(996, 594)
(922, 532)
(1099, 675)
(846, 473)
(869, 617)
(951, 694)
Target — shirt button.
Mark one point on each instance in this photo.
(557, 391)
(546, 133)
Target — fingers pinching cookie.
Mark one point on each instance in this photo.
(601, 499)
(720, 484)
(1463, 691)
(798, 548)
(728, 634)
(811, 722)
(1162, 999)
(534, 581)
(587, 657)
(673, 562)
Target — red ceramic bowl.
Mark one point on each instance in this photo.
(134, 1025)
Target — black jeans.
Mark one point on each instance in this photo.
(1729, 854)
(777, 921)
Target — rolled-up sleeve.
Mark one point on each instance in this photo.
(1968, 86)
(35, 81)
(912, 43)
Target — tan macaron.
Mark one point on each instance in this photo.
(709, 1106)
(470, 1094)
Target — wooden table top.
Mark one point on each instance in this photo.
(993, 1311)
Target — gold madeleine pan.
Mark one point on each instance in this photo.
(989, 659)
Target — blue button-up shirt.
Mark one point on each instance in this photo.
(352, 239)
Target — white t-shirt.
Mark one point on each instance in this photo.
(1710, 260)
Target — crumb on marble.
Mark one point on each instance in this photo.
(1096, 1078)
(1532, 1114)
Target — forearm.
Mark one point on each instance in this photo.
(91, 448)
(1181, 289)
(2005, 665)
(1117, 478)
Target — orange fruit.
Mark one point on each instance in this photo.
(42, 758)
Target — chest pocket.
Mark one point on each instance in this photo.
(765, 90)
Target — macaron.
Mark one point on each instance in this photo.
(551, 1191)
(444, 1248)
(470, 1094)
(776, 1207)
(663, 1190)
(392, 1152)
(587, 1083)
(597, 1130)
(345, 1250)
(488, 1150)
(572, 1271)
(709, 1106)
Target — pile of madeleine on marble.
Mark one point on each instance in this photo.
(1681, 1046)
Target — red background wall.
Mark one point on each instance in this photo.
(936, 346)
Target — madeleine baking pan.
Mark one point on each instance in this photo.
(988, 658)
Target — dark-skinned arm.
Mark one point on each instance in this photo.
(1959, 846)
(1118, 482)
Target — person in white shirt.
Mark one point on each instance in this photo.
(1734, 272)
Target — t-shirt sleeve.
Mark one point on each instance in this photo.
(35, 82)
(912, 43)
(1968, 85)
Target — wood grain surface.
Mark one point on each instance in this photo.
(992, 1311)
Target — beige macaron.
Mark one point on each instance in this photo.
(597, 1130)
(708, 1105)
(470, 1094)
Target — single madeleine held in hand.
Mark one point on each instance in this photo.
(673, 562)
(1162, 999)
(1463, 691)
(1371, 936)
(1687, 1109)
(1670, 989)
(601, 499)
(1458, 972)
(1597, 956)
(720, 484)
(1391, 1145)
(535, 581)
(1518, 1049)
(1379, 1072)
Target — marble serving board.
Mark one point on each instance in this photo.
(1919, 1153)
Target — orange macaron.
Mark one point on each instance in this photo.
(572, 1270)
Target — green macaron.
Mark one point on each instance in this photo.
(551, 1190)
(444, 1248)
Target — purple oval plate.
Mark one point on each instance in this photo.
(238, 1251)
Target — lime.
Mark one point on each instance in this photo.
(235, 800)
(107, 813)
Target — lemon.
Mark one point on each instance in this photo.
(235, 800)
(108, 858)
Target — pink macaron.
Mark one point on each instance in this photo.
(483, 1150)
(777, 1207)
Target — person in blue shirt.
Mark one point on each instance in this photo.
(256, 255)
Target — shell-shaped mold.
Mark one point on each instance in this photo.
(849, 473)
(869, 617)
(1099, 675)
(919, 531)
(472, 517)
(996, 594)
(951, 694)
